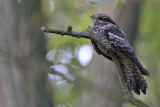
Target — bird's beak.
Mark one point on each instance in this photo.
(92, 16)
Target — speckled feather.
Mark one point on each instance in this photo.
(115, 41)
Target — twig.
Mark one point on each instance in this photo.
(68, 32)
(89, 35)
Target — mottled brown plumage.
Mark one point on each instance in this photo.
(115, 41)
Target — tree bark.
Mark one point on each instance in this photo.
(23, 78)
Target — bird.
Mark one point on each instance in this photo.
(106, 29)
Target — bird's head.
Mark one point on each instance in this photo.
(102, 19)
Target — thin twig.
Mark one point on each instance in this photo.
(89, 35)
(68, 32)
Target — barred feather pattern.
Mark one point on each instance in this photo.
(134, 78)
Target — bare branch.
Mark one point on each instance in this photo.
(89, 35)
(68, 32)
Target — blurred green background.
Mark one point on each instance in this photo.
(47, 70)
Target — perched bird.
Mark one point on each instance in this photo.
(116, 42)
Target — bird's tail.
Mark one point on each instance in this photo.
(143, 70)
(135, 80)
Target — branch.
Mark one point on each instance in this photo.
(90, 35)
(69, 32)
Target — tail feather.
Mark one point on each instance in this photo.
(135, 80)
(144, 71)
(141, 68)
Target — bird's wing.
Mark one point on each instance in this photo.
(120, 43)
(98, 50)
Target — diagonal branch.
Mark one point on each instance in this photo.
(89, 35)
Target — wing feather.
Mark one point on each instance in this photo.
(120, 43)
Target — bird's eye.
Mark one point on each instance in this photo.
(104, 19)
